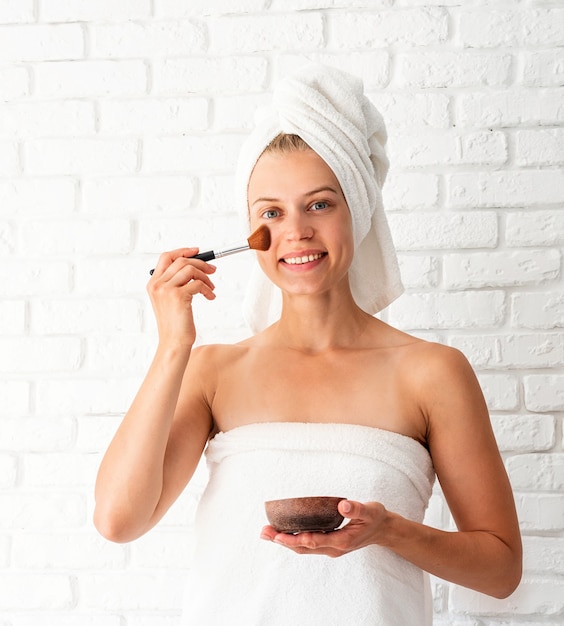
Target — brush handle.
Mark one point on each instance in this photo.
(205, 256)
(210, 255)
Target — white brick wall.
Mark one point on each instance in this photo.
(120, 124)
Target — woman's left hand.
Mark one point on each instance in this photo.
(366, 526)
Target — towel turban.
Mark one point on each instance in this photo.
(328, 109)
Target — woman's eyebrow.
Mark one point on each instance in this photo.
(307, 193)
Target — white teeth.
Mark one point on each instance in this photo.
(300, 260)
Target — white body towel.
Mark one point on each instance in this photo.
(239, 579)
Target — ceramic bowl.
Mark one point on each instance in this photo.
(300, 515)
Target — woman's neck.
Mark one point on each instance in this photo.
(317, 323)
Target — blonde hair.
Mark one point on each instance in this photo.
(286, 142)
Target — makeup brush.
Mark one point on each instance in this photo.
(259, 240)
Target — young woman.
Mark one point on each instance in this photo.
(327, 400)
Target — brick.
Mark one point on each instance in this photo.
(537, 309)
(115, 355)
(524, 433)
(13, 316)
(156, 548)
(426, 149)
(16, 11)
(77, 156)
(419, 271)
(265, 33)
(7, 239)
(34, 278)
(32, 434)
(534, 228)
(138, 195)
(406, 27)
(210, 153)
(8, 471)
(536, 472)
(43, 591)
(93, 434)
(41, 511)
(39, 42)
(544, 392)
(304, 5)
(82, 316)
(448, 310)
(413, 110)
(39, 354)
(158, 590)
(518, 107)
(544, 26)
(544, 596)
(47, 119)
(9, 158)
(14, 83)
(544, 68)
(372, 66)
(180, 8)
(85, 396)
(64, 469)
(14, 399)
(500, 268)
(152, 39)
(489, 29)
(443, 231)
(237, 112)
(124, 276)
(543, 555)
(153, 116)
(216, 194)
(68, 550)
(102, 10)
(37, 196)
(199, 75)
(453, 69)
(155, 236)
(76, 79)
(540, 146)
(73, 617)
(48, 238)
(411, 190)
(501, 391)
(505, 188)
(509, 351)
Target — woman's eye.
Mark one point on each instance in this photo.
(317, 206)
(270, 213)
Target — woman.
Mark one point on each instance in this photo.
(327, 400)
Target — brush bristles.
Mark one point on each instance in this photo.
(260, 239)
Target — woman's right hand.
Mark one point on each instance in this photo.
(176, 279)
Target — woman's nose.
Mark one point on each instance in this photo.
(298, 227)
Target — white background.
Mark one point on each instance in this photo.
(120, 123)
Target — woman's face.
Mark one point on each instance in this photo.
(299, 198)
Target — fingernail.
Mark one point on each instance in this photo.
(346, 507)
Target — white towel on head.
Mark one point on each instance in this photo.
(328, 109)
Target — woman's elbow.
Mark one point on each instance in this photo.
(112, 528)
(508, 578)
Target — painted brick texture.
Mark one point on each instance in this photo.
(120, 124)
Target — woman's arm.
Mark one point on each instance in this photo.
(485, 552)
(156, 449)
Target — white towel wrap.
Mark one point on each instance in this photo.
(239, 579)
(327, 108)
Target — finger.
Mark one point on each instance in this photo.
(351, 509)
(185, 273)
(168, 258)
